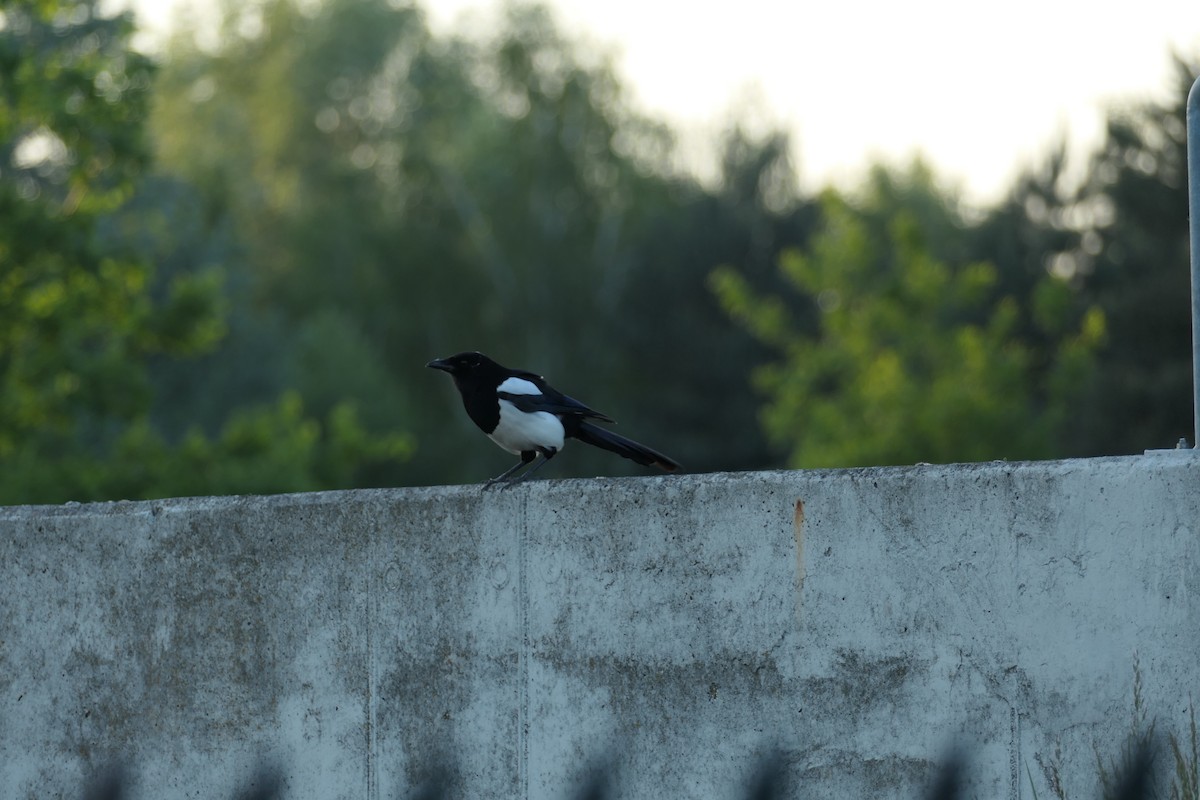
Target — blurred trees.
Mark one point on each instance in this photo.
(1075, 339)
(83, 312)
(405, 197)
(915, 355)
(1132, 261)
(77, 313)
(338, 194)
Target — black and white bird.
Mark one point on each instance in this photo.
(526, 416)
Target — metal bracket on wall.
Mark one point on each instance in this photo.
(1181, 448)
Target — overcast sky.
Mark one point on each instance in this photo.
(978, 89)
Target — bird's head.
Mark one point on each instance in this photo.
(462, 364)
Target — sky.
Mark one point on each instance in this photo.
(979, 90)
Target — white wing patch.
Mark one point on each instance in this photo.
(519, 432)
(518, 386)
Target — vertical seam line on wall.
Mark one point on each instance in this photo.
(1015, 752)
(523, 651)
(372, 782)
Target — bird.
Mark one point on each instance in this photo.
(528, 417)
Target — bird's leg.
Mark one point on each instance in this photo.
(547, 454)
(526, 458)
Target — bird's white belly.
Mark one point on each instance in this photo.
(519, 431)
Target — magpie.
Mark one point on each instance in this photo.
(526, 416)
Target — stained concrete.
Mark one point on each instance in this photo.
(674, 628)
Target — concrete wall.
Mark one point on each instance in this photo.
(862, 620)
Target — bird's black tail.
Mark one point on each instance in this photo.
(606, 439)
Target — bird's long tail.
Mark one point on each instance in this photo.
(606, 439)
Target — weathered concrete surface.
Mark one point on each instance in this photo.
(678, 625)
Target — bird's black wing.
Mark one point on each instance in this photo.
(549, 399)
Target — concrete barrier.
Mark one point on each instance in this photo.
(860, 620)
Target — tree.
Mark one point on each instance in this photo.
(696, 357)
(76, 312)
(83, 310)
(1132, 261)
(914, 358)
(410, 196)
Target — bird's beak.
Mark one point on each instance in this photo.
(440, 363)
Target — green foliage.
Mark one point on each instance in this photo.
(269, 449)
(913, 359)
(406, 196)
(669, 332)
(339, 194)
(73, 97)
(1133, 263)
(76, 316)
(83, 312)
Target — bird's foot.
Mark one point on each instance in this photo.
(502, 482)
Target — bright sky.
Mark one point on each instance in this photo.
(979, 89)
